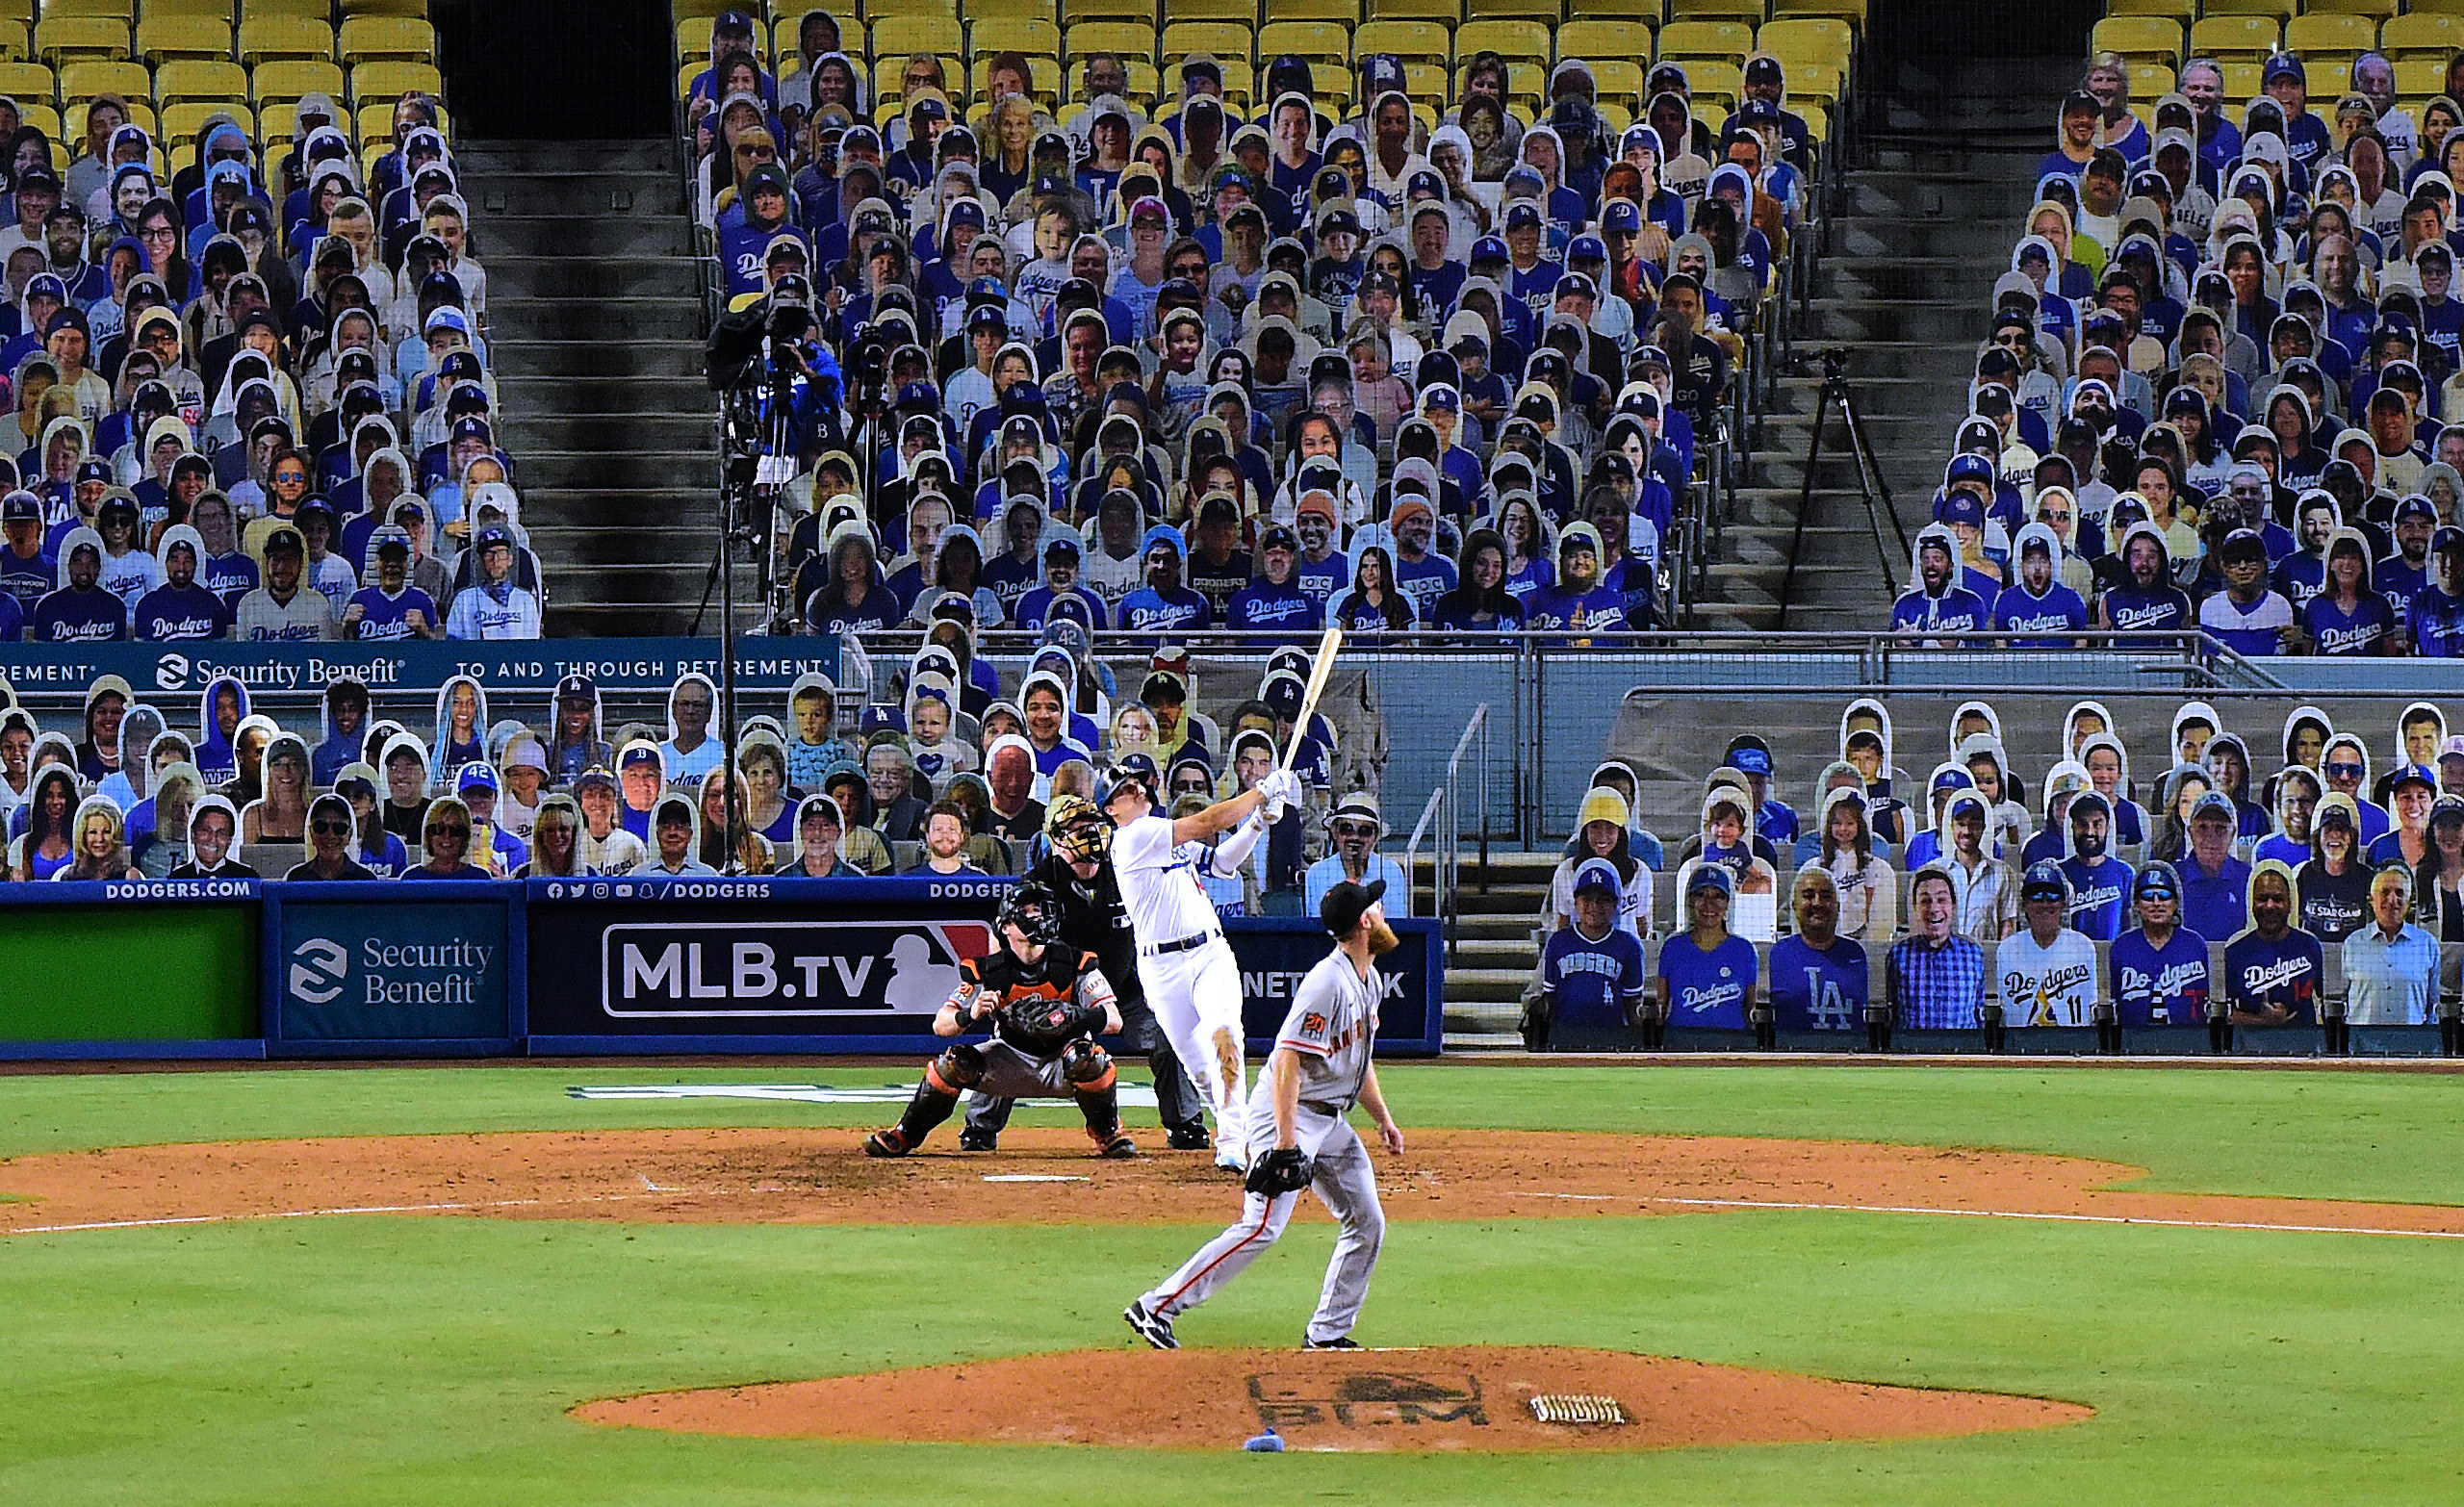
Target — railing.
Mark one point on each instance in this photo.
(1441, 820)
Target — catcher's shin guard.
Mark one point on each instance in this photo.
(1095, 1084)
(937, 1097)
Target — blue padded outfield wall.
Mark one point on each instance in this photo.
(600, 966)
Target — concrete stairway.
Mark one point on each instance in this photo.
(1495, 956)
(1930, 209)
(594, 322)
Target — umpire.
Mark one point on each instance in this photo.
(1092, 919)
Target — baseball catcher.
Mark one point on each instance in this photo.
(1044, 1005)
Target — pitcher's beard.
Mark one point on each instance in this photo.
(1382, 940)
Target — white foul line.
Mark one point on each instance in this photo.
(2059, 1218)
(361, 1209)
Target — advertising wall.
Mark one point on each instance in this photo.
(112, 970)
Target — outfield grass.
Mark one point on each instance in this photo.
(381, 1361)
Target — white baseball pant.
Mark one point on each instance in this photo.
(1346, 1183)
(1195, 996)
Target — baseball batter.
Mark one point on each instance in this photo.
(1299, 1138)
(1045, 1004)
(1185, 966)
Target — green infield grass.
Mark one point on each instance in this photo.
(377, 1360)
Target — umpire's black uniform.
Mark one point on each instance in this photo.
(1093, 920)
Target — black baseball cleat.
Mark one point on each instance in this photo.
(1152, 1327)
(1339, 1342)
(1116, 1147)
(1188, 1138)
(975, 1140)
(885, 1144)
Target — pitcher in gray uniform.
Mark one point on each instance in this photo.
(1300, 1137)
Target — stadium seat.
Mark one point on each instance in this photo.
(2326, 34)
(121, 10)
(293, 78)
(1073, 12)
(1427, 80)
(1446, 12)
(411, 8)
(84, 77)
(2241, 38)
(181, 122)
(1317, 41)
(163, 37)
(2276, 11)
(1225, 39)
(2242, 77)
(1691, 38)
(1508, 39)
(99, 36)
(2152, 81)
(1620, 81)
(1423, 40)
(2421, 34)
(26, 82)
(385, 81)
(1714, 80)
(1596, 43)
(1648, 12)
(1339, 12)
(2417, 79)
(1749, 11)
(1853, 11)
(377, 39)
(902, 35)
(210, 10)
(2183, 10)
(287, 36)
(1245, 12)
(2139, 39)
(1036, 35)
(2375, 10)
(1129, 38)
(1808, 38)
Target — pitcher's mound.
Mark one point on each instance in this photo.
(1457, 1397)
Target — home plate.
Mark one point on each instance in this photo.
(1034, 1177)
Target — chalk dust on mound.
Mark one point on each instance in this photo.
(716, 1176)
(1452, 1399)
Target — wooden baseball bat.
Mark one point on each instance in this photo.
(1325, 667)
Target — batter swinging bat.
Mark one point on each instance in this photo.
(1327, 646)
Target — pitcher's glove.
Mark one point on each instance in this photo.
(1287, 1170)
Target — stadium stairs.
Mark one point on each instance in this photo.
(1923, 226)
(594, 317)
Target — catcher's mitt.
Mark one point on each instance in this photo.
(1286, 1170)
(1026, 1021)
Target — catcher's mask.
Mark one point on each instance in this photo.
(1081, 833)
(1032, 910)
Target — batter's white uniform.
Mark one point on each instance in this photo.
(1330, 1029)
(1190, 979)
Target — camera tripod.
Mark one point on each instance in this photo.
(1869, 479)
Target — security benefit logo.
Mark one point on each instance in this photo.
(387, 971)
(1369, 1399)
(784, 969)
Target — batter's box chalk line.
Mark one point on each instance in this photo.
(1130, 1096)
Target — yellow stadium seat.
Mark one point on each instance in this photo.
(2139, 39)
(1426, 41)
(1618, 79)
(2276, 11)
(1808, 38)
(1073, 12)
(898, 35)
(1647, 12)
(1714, 81)
(2421, 34)
(385, 81)
(693, 41)
(1036, 35)
(184, 79)
(2375, 10)
(84, 78)
(1853, 11)
(1508, 39)
(210, 10)
(1225, 39)
(28, 83)
(1427, 80)
(1598, 42)
(374, 38)
(80, 36)
(1316, 41)
(16, 41)
(1044, 81)
(1706, 39)
(2420, 78)
(2183, 10)
(182, 122)
(2240, 36)
(1813, 81)
(2152, 80)
(121, 10)
(295, 78)
(2328, 33)
(20, 11)
(1129, 38)
(1445, 11)
(1748, 11)
(284, 37)
(2241, 78)
(409, 8)
(166, 37)
(2439, 7)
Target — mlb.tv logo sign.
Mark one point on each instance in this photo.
(770, 970)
